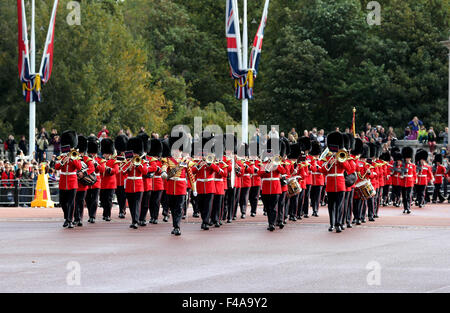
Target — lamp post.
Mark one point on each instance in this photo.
(447, 45)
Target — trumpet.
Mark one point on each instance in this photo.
(210, 158)
(342, 155)
(274, 162)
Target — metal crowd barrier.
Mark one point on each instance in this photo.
(20, 192)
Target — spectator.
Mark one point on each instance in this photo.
(321, 138)
(56, 145)
(291, 138)
(414, 126)
(273, 133)
(382, 134)
(8, 185)
(306, 133)
(128, 133)
(142, 130)
(53, 133)
(391, 132)
(431, 139)
(43, 132)
(444, 135)
(103, 136)
(423, 134)
(257, 136)
(313, 134)
(104, 130)
(363, 137)
(155, 135)
(11, 146)
(294, 134)
(23, 146)
(282, 135)
(42, 145)
(407, 133)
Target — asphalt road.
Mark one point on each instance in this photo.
(397, 253)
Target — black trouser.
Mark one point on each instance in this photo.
(396, 193)
(293, 205)
(378, 200)
(134, 203)
(186, 201)
(270, 204)
(305, 204)
(217, 208)
(67, 200)
(205, 204)
(357, 208)
(243, 200)
(363, 211)
(92, 201)
(371, 207)
(175, 204)
(237, 196)
(386, 194)
(254, 197)
(301, 197)
(344, 208)
(420, 192)
(106, 196)
(155, 201)
(437, 192)
(446, 183)
(281, 207)
(194, 202)
(145, 205)
(406, 196)
(121, 199)
(79, 205)
(315, 198)
(287, 202)
(335, 202)
(323, 194)
(165, 203)
(349, 207)
(229, 203)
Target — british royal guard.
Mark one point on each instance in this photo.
(348, 196)
(270, 171)
(239, 169)
(246, 179)
(229, 142)
(371, 203)
(92, 194)
(424, 176)
(294, 171)
(318, 180)
(205, 172)
(386, 158)
(409, 178)
(220, 181)
(439, 176)
(108, 177)
(147, 179)
(164, 200)
(87, 168)
(120, 143)
(255, 189)
(381, 177)
(305, 143)
(360, 153)
(281, 207)
(155, 154)
(334, 170)
(397, 177)
(135, 169)
(68, 166)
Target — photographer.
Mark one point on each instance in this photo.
(42, 145)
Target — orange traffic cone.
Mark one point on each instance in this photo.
(42, 196)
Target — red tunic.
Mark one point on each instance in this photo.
(317, 177)
(134, 182)
(151, 168)
(205, 176)
(158, 183)
(109, 175)
(247, 176)
(271, 184)
(410, 176)
(219, 179)
(439, 174)
(177, 185)
(425, 175)
(335, 181)
(68, 179)
(89, 169)
(99, 170)
(256, 179)
(8, 176)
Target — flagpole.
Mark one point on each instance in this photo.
(245, 67)
(32, 124)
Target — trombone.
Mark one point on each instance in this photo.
(341, 156)
(274, 162)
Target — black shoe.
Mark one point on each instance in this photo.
(243, 216)
(195, 214)
(358, 222)
(134, 226)
(234, 218)
(284, 221)
(338, 229)
(408, 211)
(228, 221)
(205, 226)
(420, 205)
(66, 223)
(155, 221)
(363, 221)
(177, 232)
(331, 228)
(354, 221)
(252, 214)
(121, 215)
(183, 217)
(371, 219)
(142, 223)
(305, 216)
(434, 202)
(70, 225)
(107, 219)
(79, 224)
(217, 225)
(375, 216)
(342, 227)
(220, 223)
(166, 219)
(349, 226)
(271, 228)
(404, 211)
(299, 218)
(265, 213)
(294, 219)
(280, 225)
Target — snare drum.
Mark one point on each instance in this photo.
(293, 187)
(365, 189)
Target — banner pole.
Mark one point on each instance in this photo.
(245, 66)
(32, 124)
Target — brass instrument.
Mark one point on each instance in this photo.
(191, 178)
(210, 158)
(274, 162)
(342, 155)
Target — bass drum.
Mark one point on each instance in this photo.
(293, 187)
(365, 189)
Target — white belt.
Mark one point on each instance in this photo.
(408, 175)
(439, 175)
(421, 175)
(247, 175)
(218, 180)
(271, 179)
(178, 179)
(68, 173)
(316, 173)
(97, 174)
(133, 178)
(335, 175)
(156, 176)
(205, 180)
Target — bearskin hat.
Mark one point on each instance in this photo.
(286, 146)
(82, 144)
(305, 143)
(316, 149)
(165, 148)
(385, 156)
(335, 141)
(395, 149)
(397, 156)
(136, 145)
(358, 147)
(69, 138)
(92, 145)
(207, 144)
(295, 151)
(365, 152)
(421, 155)
(107, 146)
(155, 148)
(407, 152)
(145, 141)
(372, 150)
(273, 145)
(438, 158)
(351, 141)
(120, 143)
(346, 141)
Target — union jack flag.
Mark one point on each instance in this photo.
(47, 59)
(258, 41)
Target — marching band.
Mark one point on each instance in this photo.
(223, 176)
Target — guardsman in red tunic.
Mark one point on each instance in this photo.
(134, 183)
(220, 181)
(371, 203)
(305, 144)
(335, 181)
(409, 178)
(295, 172)
(108, 177)
(397, 177)
(157, 182)
(359, 154)
(424, 176)
(317, 177)
(348, 196)
(387, 169)
(239, 174)
(380, 178)
(120, 143)
(68, 182)
(246, 179)
(255, 189)
(150, 162)
(230, 147)
(439, 175)
(283, 200)
(87, 169)
(94, 190)
(270, 171)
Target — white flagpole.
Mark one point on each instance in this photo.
(32, 124)
(49, 36)
(245, 66)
